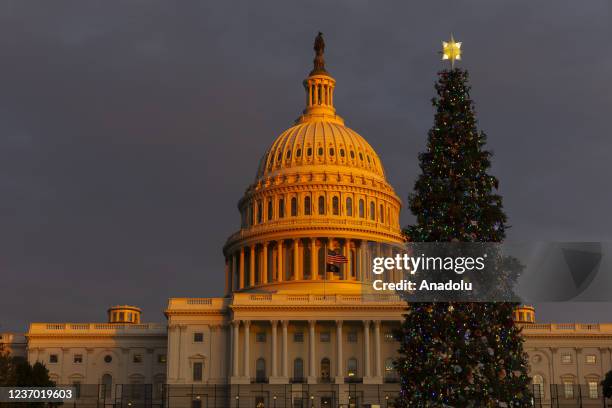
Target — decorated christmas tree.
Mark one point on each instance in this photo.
(459, 354)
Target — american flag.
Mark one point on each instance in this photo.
(334, 258)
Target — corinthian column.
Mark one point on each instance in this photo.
(296, 259)
(264, 264)
(252, 267)
(314, 262)
(312, 376)
(279, 269)
(241, 268)
(247, 368)
(340, 359)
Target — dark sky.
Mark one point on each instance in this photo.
(128, 131)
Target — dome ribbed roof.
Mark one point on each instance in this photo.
(318, 144)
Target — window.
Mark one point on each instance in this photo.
(197, 371)
(122, 316)
(320, 151)
(259, 212)
(260, 370)
(389, 367)
(298, 152)
(335, 206)
(389, 336)
(321, 205)
(324, 337)
(298, 337)
(307, 205)
(161, 358)
(309, 151)
(538, 386)
(360, 156)
(77, 389)
(349, 207)
(288, 154)
(298, 369)
(382, 214)
(351, 337)
(368, 157)
(53, 358)
(281, 208)
(107, 386)
(351, 367)
(198, 337)
(352, 154)
(293, 206)
(593, 389)
(108, 358)
(590, 359)
(372, 211)
(270, 210)
(77, 359)
(566, 359)
(137, 358)
(361, 209)
(325, 369)
(260, 337)
(331, 151)
(341, 152)
(568, 389)
(196, 403)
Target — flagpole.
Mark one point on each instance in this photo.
(325, 269)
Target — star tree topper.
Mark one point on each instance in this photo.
(451, 50)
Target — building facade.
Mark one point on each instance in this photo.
(287, 320)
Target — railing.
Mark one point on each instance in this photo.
(566, 328)
(85, 328)
(297, 380)
(247, 299)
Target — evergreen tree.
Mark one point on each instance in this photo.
(459, 354)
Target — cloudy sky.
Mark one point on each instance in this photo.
(128, 131)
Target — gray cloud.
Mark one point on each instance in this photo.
(128, 132)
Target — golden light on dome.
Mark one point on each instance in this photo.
(451, 50)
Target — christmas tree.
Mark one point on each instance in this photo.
(459, 354)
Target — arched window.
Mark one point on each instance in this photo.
(382, 214)
(107, 385)
(538, 386)
(298, 152)
(361, 209)
(260, 370)
(270, 210)
(372, 211)
(325, 369)
(307, 205)
(281, 208)
(341, 152)
(298, 370)
(349, 206)
(293, 206)
(320, 151)
(309, 151)
(335, 206)
(321, 205)
(351, 367)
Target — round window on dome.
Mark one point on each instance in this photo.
(289, 155)
(368, 158)
(298, 153)
(331, 151)
(352, 154)
(279, 157)
(360, 156)
(309, 151)
(108, 358)
(320, 151)
(341, 152)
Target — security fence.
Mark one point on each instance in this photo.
(297, 395)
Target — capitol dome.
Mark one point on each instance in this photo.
(320, 189)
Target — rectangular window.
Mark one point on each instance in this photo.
(324, 337)
(197, 371)
(593, 389)
(281, 208)
(590, 359)
(566, 359)
(137, 358)
(53, 358)
(568, 389)
(351, 337)
(198, 337)
(260, 337)
(161, 358)
(298, 337)
(77, 359)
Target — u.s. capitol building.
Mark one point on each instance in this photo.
(287, 331)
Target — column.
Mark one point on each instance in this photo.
(310, 95)
(345, 267)
(285, 324)
(235, 272)
(312, 376)
(241, 268)
(314, 262)
(247, 368)
(252, 267)
(377, 348)
(366, 346)
(274, 324)
(264, 264)
(279, 269)
(235, 339)
(340, 359)
(227, 277)
(296, 259)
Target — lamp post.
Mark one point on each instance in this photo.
(237, 401)
(386, 400)
(274, 398)
(312, 401)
